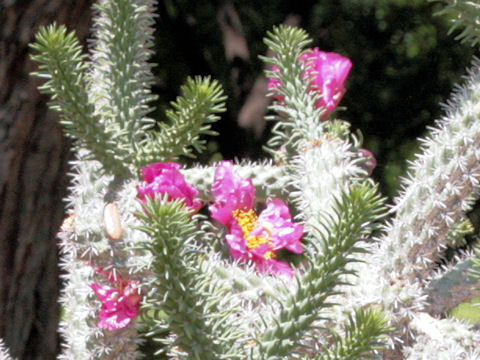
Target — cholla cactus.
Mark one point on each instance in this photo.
(341, 278)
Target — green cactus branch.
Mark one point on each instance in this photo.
(465, 15)
(445, 179)
(298, 116)
(301, 138)
(365, 331)
(121, 77)
(190, 118)
(63, 64)
(202, 329)
(356, 211)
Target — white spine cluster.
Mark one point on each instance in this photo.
(442, 182)
(4, 355)
(323, 168)
(86, 245)
(442, 339)
(121, 76)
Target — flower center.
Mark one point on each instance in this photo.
(269, 255)
(248, 220)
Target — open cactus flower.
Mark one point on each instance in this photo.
(253, 237)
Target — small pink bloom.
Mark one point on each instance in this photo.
(166, 178)
(231, 192)
(327, 72)
(120, 302)
(253, 237)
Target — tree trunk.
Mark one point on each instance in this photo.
(33, 165)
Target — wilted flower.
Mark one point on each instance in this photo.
(120, 302)
(327, 73)
(369, 162)
(253, 237)
(166, 178)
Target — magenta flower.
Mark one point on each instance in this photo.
(231, 192)
(166, 178)
(328, 72)
(120, 303)
(253, 237)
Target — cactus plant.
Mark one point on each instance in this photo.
(143, 260)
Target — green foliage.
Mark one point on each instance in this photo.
(468, 311)
(356, 212)
(463, 14)
(366, 330)
(106, 113)
(121, 78)
(63, 64)
(182, 287)
(190, 118)
(298, 117)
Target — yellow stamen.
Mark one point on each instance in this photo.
(247, 219)
(269, 255)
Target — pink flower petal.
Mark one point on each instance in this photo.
(120, 303)
(275, 267)
(166, 178)
(276, 222)
(236, 242)
(151, 171)
(251, 237)
(327, 73)
(231, 192)
(104, 292)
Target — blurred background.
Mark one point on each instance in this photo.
(405, 66)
